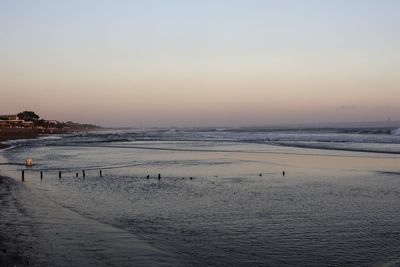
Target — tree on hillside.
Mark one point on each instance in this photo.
(28, 116)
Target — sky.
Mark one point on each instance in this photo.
(201, 63)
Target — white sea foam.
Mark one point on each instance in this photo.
(396, 131)
(358, 139)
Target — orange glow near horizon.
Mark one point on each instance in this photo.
(165, 68)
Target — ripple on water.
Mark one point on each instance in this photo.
(228, 215)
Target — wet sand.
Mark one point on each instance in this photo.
(16, 236)
(38, 232)
(331, 208)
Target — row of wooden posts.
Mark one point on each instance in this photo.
(101, 175)
(59, 174)
(77, 175)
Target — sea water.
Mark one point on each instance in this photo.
(222, 198)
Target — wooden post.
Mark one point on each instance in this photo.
(148, 176)
(159, 176)
(41, 175)
(83, 174)
(77, 174)
(23, 176)
(101, 173)
(59, 174)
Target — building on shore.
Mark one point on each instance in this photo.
(52, 122)
(13, 117)
(13, 121)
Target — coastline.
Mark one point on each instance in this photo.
(24, 133)
(20, 133)
(124, 219)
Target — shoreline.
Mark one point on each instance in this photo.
(128, 220)
(7, 134)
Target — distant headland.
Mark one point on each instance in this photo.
(28, 124)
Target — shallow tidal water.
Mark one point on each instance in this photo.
(217, 203)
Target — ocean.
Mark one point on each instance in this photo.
(209, 197)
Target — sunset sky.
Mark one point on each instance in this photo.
(201, 63)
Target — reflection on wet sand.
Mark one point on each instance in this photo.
(208, 207)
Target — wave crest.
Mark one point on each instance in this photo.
(396, 131)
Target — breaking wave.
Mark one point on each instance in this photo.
(396, 131)
(382, 140)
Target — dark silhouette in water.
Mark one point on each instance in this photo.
(23, 176)
(77, 174)
(260, 174)
(283, 173)
(159, 176)
(148, 176)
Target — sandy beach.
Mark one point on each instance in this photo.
(217, 203)
(15, 237)
(38, 232)
(200, 133)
